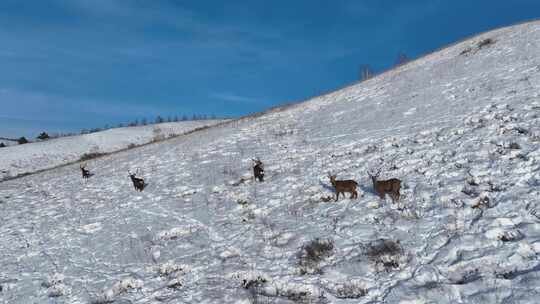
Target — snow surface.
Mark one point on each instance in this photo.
(461, 130)
(8, 142)
(32, 157)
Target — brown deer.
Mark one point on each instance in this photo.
(258, 169)
(138, 182)
(383, 187)
(342, 186)
(85, 173)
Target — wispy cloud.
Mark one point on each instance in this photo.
(236, 98)
(61, 109)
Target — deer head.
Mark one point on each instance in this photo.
(374, 175)
(257, 162)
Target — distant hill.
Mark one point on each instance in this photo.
(8, 141)
(23, 159)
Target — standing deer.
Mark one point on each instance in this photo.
(85, 173)
(258, 169)
(383, 187)
(138, 182)
(342, 186)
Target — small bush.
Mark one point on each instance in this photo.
(301, 296)
(514, 146)
(350, 290)
(131, 146)
(43, 136)
(2, 145)
(253, 283)
(282, 133)
(22, 141)
(486, 42)
(383, 247)
(92, 155)
(467, 277)
(384, 253)
(242, 202)
(466, 51)
(312, 253)
(481, 203)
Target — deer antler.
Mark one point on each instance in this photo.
(373, 173)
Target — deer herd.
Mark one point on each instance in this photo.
(381, 187)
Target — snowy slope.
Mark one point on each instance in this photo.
(462, 130)
(37, 156)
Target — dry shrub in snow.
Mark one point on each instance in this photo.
(312, 253)
(55, 285)
(386, 254)
(350, 290)
(91, 155)
(253, 282)
(485, 42)
(168, 268)
(466, 51)
(174, 273)
(117, 289)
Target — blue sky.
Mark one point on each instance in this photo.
(73, 64)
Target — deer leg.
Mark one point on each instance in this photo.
(337, 196)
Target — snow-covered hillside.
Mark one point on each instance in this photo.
(33, 157)
(460, 128)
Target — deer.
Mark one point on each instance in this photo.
(85, 173)
(138, 182)
(342, 186)
(258, 169)
(383, 187)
